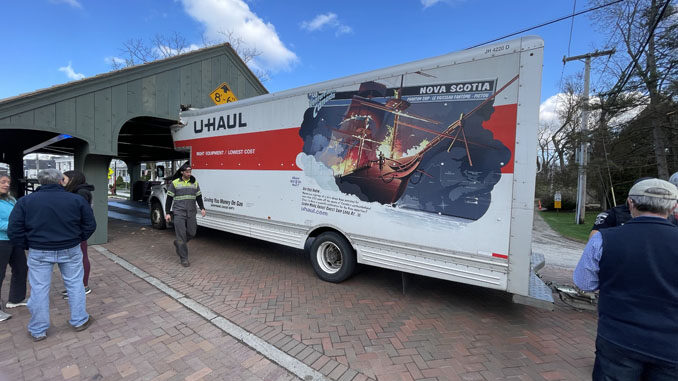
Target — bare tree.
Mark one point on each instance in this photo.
(646, 32)
(563, 135)
(247, 53)
(136, 51)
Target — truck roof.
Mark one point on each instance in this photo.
(474, 54)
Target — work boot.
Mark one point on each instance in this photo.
(84, 325)
(184, 262)
(37, 338)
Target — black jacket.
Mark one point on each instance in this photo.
(51, 219)
(85, 190)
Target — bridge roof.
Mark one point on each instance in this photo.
(143, 99)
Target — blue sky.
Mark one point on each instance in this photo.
(49, 42)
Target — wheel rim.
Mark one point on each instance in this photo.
(329, 257)
(156, 216)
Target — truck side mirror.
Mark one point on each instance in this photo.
(160, 172)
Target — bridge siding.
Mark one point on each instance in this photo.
(95, 109)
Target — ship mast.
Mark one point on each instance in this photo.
(362, 142)
(396, 118)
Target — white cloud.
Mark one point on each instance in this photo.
(70, 73)
(166, 51)
(224, 16)
(548, 109)
(115, 60)
(429, 3)
(326, 20)
(319, 21)
(342, 29)
(72, 3)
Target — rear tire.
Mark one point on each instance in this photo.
(332, 257)
(158, 216)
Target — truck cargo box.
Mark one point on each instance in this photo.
(426, 168)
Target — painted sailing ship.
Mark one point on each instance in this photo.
(375, 163)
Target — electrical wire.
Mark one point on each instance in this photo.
(547, 23)
(569, 43)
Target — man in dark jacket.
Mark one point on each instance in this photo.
(51, 223)
(634, 267)
(619, 215)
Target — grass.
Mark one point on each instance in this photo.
(563, 223)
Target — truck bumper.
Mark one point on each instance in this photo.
(540, 295)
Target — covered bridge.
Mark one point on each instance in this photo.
(124, 114)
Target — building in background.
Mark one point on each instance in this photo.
(64, 163)
(33, 163)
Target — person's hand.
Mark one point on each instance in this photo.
(203, 212)
(168, 217)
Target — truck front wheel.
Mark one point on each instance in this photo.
(158, 216)
(332, 257)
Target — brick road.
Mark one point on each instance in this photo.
(364, 328)
(139, 334)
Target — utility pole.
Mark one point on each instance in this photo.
(583, 150)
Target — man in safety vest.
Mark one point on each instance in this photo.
(184, 192)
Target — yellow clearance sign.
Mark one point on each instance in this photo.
(557, 200)
(223, 94)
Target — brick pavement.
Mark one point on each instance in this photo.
(139, 333)
(365, 327)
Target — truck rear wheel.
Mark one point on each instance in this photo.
(158, 216)
(332, 257)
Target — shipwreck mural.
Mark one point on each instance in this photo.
(432, 148)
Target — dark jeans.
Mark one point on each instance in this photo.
(16, 258)
(614, 363)
(185, 228)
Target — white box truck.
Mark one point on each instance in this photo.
(426, 168)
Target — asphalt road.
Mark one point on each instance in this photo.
(558, 250)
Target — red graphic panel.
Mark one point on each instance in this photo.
(267, 150)
(502, 123)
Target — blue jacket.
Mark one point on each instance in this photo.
(5, 209)
(51, 219)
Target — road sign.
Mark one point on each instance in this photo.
(557, 200)
(223, 94)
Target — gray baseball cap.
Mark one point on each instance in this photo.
(655, 188)
(674, 179)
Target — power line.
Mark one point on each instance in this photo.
(547, 23)
(569, 43)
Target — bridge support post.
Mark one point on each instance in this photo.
(15, 159)
(134, 171)
(95, 168)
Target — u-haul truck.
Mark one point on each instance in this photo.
(426, 168)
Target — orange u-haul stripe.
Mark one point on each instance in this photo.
(265, 150)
